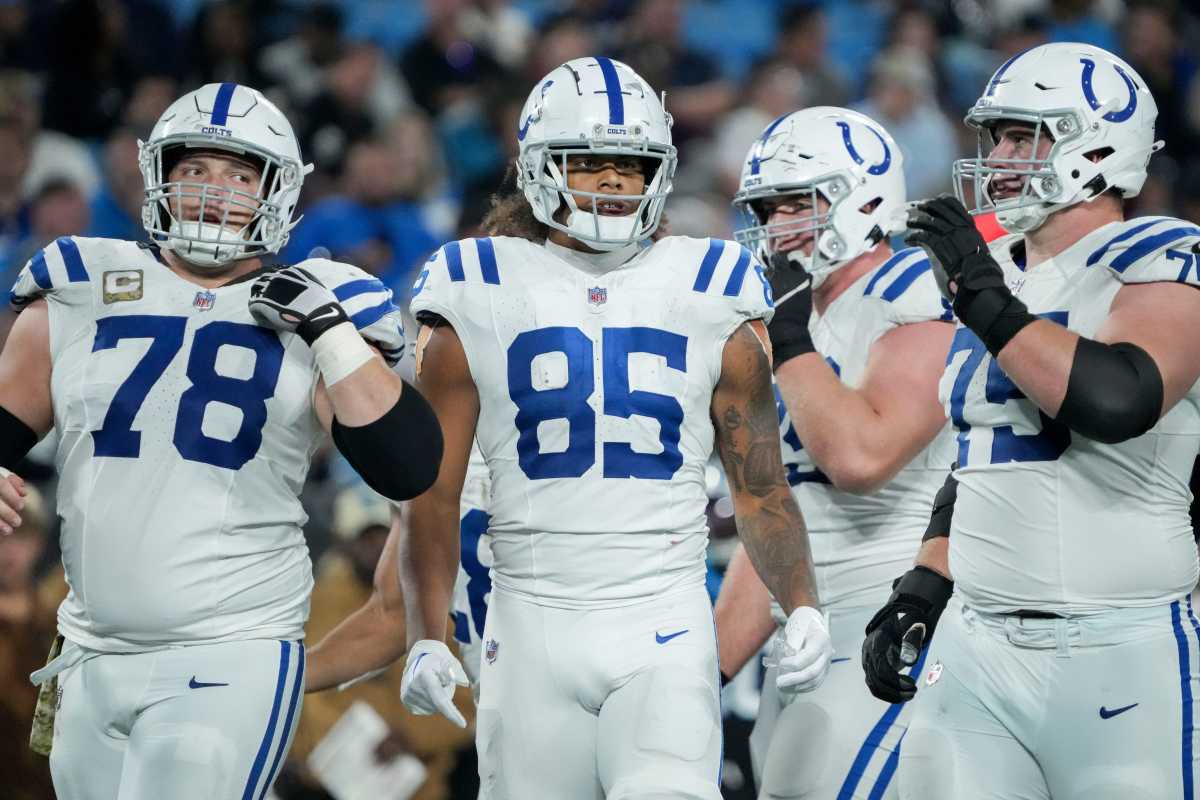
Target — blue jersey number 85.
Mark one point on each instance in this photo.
(570, 402)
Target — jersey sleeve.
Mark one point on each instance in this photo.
(449, 276)
(1151, 250)
(57, 272)
(908, 290)
(368, 303)
(728, 273)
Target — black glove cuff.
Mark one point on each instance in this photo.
(925, 586)
(320, 320)
(786, 347)
(994, 314)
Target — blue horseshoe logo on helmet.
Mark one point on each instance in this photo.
(524, 129)
(1089, 67)
(877, 169)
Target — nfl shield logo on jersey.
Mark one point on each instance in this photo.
(204, 300)
(597, 295)
(490, 650)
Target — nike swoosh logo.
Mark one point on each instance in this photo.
(195, 684)
(658, 637)
(1106, 714)
(330, 312)
(838, 660)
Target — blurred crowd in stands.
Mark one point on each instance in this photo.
(409, 111)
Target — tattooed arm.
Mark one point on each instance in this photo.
(747, 426)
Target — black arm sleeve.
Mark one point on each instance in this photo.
(1114, 392)
(399, 454)
(16, 439)
(943, 509)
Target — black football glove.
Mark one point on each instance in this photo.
(900, 630)
(292, 299)
(791, 286)
(965, 271)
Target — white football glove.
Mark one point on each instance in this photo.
(430, 677)
(803, 650)
(291, 299)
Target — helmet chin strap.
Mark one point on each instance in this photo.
(617, 231)
(205, 256)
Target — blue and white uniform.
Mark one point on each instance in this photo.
(1097, 698)
(595, 377)
(473, 589)
(839, 741)
(184, 435)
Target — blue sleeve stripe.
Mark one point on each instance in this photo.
(368, 317)
(454, 262)
(487, 261)
(260, 759)
(612, 88)
(39, 271)
(716, 247)
(901, 284)
(1150, 244)
(360, 286)
(733, 287)
(76, 272)
(885, 269)
(220, 112)
(1134, 231)
(285, 734)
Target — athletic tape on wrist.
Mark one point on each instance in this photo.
(340, 351)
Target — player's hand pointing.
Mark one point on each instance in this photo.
(430, 677)
(803, 652)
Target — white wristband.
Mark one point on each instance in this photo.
(340, 351)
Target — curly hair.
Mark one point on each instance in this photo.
(509, 213)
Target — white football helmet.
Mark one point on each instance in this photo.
(836, 154)
(235, 119)
(1094, 107)
(594, 106)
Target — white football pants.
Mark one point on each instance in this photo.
(204, 722)
(836, 742)
(1099, 707)
(617, 703)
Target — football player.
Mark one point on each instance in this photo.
(860, 336)
(598, 369)
(189, 384)
(1065, 665)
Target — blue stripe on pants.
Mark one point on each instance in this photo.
(1185, 689)
(285, 734)
(260, 760)
(874, 741)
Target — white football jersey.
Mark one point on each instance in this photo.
(861, 543)
(595, 390)
(473, 588)
(1047, 519)
(185, 433)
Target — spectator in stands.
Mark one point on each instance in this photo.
(117, 207)
(14, 209)
(803, 43)
(222, 46)
(27, 629)
(151, 96)
(560, 39)
(59, 209)
(361, 94)
(443, 66)
(653, 45)
(501, 29)
(901, 98)
(377, 221)
(1153, 46)
(297, 64)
